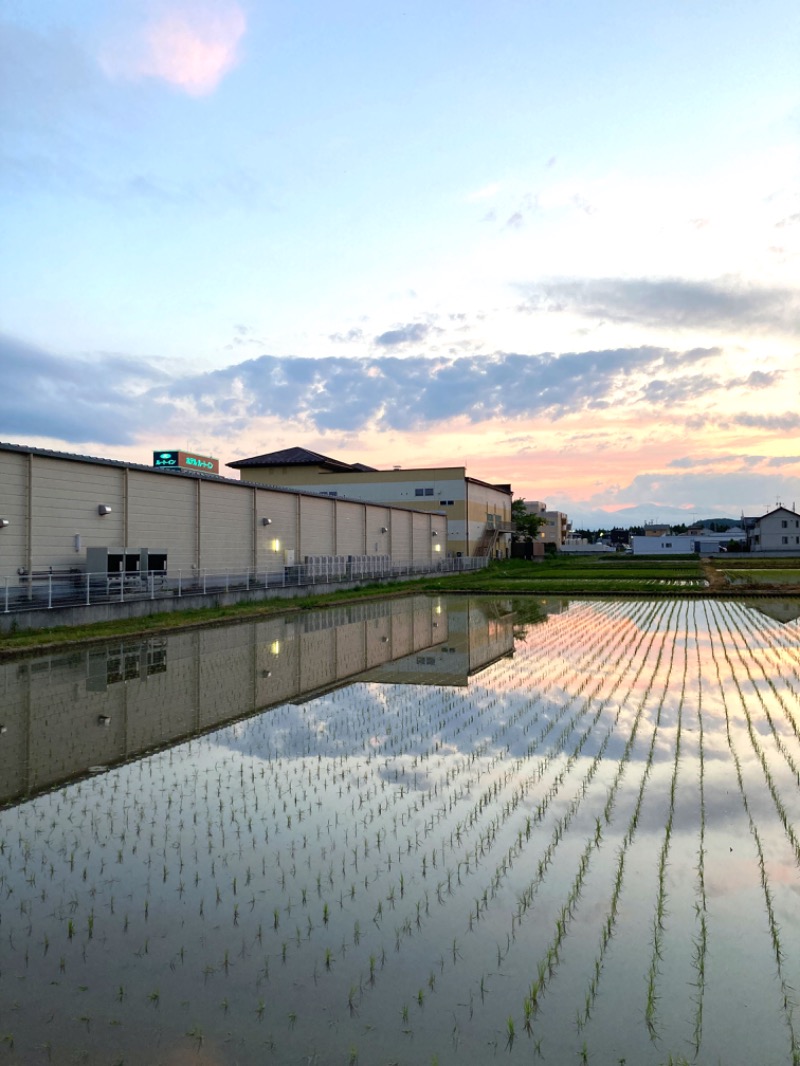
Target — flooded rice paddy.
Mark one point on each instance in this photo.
(437, 830)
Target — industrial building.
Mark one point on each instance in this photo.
(478, 513)
(65, 515)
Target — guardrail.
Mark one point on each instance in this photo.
(51, 588)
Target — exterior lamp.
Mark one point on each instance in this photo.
(4, 523)
(103, 509)
(384, 529)
(266, 521)
(276, 545)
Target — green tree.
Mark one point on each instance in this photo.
(528, 525)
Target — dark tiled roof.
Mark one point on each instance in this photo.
(292, 457)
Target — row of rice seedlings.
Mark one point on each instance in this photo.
(548, 963)
(787, 1002)
(659, 918)
(531, 1002)
(610, 919)
(701, 907)
(778, 802)
(779, 669)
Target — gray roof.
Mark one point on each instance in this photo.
(296, 457)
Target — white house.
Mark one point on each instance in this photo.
(777, 530)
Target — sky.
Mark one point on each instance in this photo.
(556, 241)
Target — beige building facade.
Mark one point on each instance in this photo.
(478, 514)
(55, 507)
(555, 524)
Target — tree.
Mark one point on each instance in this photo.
(528, 525)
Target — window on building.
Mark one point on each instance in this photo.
(429, 492)
(784, 540)
(446, 503)
(784, 523)
(668, 544)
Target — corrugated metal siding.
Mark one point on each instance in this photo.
(350, 524)
(159, 511)
(226, 527)
(273, 541)
(162, 513)
(65, 502)
(378, 519)
(421, 551)
(401, 536)
(317, 518)
(14, 508)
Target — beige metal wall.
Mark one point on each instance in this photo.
(350, 529)
(161, 512)
(51, 505)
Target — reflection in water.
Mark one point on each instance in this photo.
(429, 849)
(66, 713)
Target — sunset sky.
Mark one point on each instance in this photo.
(557, 241)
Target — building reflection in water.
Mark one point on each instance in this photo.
(67, 714)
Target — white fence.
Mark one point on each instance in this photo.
(49, 589)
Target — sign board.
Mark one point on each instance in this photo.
(172, 460)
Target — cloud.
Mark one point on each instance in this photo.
(783, 423)
(189, 45)
(350, 337)
(749, 460)
(678, 391)
(347, 394)
(413, 333)
(75, 400)
(670, 302)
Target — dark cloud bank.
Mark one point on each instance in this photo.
(115, 399)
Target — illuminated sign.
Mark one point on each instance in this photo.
(172, 460)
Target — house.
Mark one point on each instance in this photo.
(478, 513)
(777, 530)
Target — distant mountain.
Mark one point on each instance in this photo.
(643, 514)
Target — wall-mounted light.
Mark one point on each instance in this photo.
(266, 521)
(276, 545)
(103, 509)
(4, 523)
(384, 529)
(275, 647)
(437, 547)
(77, 542)
(434, 534)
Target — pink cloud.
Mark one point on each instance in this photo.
(191, 46)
